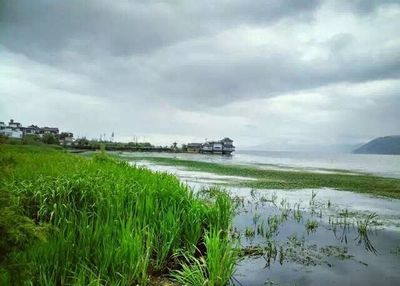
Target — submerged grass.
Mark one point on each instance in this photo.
(105, 222)
(283, 179)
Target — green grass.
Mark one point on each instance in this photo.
(364, 225)
(216, 269)
(279, 179)
(99, 221)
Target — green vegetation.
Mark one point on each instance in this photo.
(311, 225)
(34, 139)
(363, 227)
(279, 179)
(249, 232)
(71, 220)
(215, 269)
(83, 143)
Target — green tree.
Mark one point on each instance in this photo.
(82, 142)
(49, 138)
(31, 139)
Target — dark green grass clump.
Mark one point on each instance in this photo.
(106, 223)
(282, 179)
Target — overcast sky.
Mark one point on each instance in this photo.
(281, 72)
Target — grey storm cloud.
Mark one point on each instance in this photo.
(126, 27)
(184, 63)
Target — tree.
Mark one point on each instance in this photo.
(31, 139)
(184, 147)
(49, 138)
(82, 142)
(64, 135)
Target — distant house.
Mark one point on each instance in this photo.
(13, 130)
(227, 144)
(49, 130)
(224, 146)
(207, 147)
(66, 138)
(13, 124)
(16, 130)
(31, 130)
(193, 147)
(216, 146)
(3, 127)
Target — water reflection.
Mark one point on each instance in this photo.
(309, 237)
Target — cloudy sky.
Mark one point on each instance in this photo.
(284, 73)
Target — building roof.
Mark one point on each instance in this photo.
(194, 145)
(49, 128)
(213, 142)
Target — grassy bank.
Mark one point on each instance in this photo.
(282, 179)
(70, 220)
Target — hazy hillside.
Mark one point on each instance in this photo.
(381, 145)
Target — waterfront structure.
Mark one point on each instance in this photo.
(214, 147)
(193, 147)
(224, 146)
(227, 144)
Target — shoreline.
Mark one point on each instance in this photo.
(288, 179)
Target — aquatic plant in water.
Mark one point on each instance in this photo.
(311, 226)
(297, 215)
(249, 232)
(363, 228)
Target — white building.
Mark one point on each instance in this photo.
(224, 146)
(13, 124)
(11, 131)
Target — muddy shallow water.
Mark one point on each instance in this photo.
(309, 236)
(330, 254)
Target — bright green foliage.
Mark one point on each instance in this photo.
(216, 269)
(111, 223)
(17, 234)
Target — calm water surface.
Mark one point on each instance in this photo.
(333, 253)
(383, 165)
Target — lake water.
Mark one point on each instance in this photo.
(274, 225)
(382, 165)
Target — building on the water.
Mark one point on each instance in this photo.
(193, 147)
(224, 146)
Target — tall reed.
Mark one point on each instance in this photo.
(110, 223)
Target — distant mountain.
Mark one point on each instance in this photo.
(381, 145)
